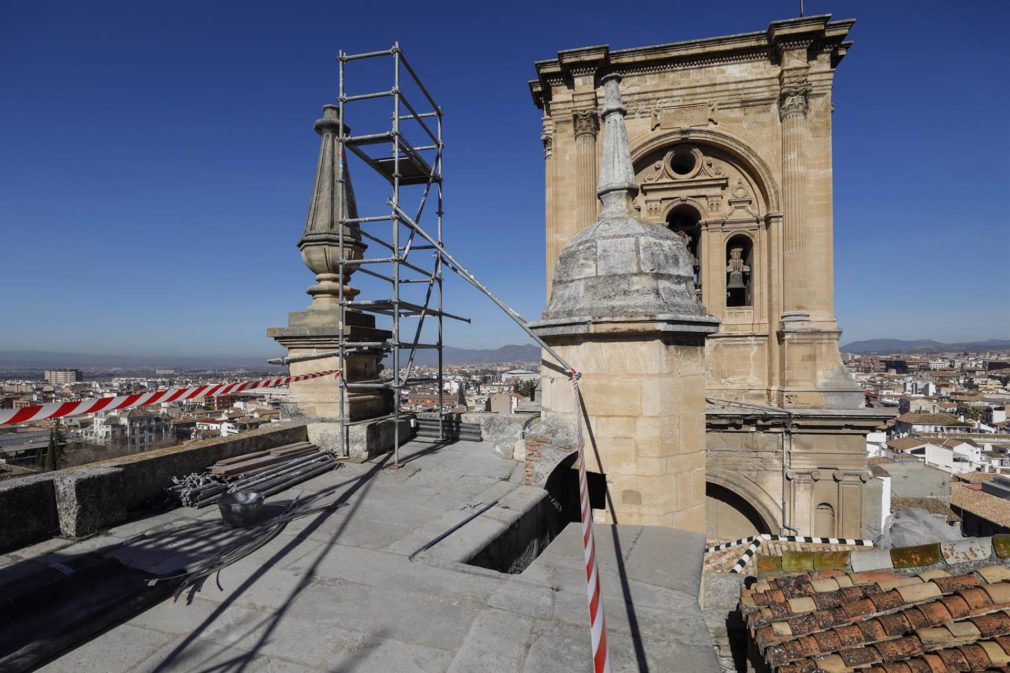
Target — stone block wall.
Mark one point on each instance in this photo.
(27, 510)
(80, 501)
(646, 415)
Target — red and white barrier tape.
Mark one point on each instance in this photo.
(597, 622)
(122, 402)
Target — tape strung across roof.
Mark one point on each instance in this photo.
(81, 407)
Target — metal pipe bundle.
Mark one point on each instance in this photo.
(202, 489)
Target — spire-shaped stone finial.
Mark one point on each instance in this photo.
(332, 201)
(617, 186)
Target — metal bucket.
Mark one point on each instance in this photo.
(241, 508)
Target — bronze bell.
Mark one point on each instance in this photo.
(736, 281)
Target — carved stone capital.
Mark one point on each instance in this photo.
(802, 476)
(548, 140)
(793, 100)
(851, 476)
(587, 123)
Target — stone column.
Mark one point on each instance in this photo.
(587, 124)
(793, 113)
(552, 236)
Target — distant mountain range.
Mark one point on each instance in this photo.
(924, 346)
(55, 360)
(480, 356)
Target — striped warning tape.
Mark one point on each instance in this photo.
(747, 555)
(597, 622)
(756, 540)
(856, 542)
(730, 545)
(132, 401)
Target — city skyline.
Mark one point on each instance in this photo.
(170, 205)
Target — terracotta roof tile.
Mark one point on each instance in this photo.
(828, 600)
(994, 573)
(975, 598)
(827, 641)
(953, 659)
(999, 593)
(933, 619)
(998, 657)
(850, 636)
(872, 630)
(951, 584)
(901, 648)
(859, 608)
(936, 613)
(860, 656)
(888, 600)
(988, 506)
(916, 618)
(957, 606)
(935, 664)
(977, 658)
(994, 624)
(895, 624)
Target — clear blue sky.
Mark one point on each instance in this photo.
(156, 159)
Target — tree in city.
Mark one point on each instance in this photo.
(525, 388)
(54, 452)
(971, 413)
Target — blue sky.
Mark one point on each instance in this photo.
(156, 159)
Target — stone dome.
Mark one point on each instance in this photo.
(621, 266)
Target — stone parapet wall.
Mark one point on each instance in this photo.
(80, 501)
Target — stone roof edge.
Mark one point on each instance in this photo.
(784, 31)
(920, 558)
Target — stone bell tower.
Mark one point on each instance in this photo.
(730, 140)
(624, 313)
(319, 328)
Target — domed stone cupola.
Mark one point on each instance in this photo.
(620, 266)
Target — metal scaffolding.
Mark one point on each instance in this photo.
(395, 155)
(406, 164)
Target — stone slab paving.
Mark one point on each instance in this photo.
(336, 592)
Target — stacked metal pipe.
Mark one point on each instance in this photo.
(202, 489)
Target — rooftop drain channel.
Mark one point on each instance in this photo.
(530, 533)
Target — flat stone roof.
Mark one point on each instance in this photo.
(336, 591)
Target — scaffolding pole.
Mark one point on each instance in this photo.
(407, 164)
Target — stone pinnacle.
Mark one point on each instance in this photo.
(617, 186)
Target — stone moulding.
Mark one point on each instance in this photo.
(652, 324)
(744, 153)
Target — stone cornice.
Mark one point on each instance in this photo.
(642, 325)
(816, 33)
(851, 421)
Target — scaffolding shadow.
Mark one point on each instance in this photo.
(267, 626)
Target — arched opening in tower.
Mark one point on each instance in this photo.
(685, 221)
(739, 271)
(730, 516)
